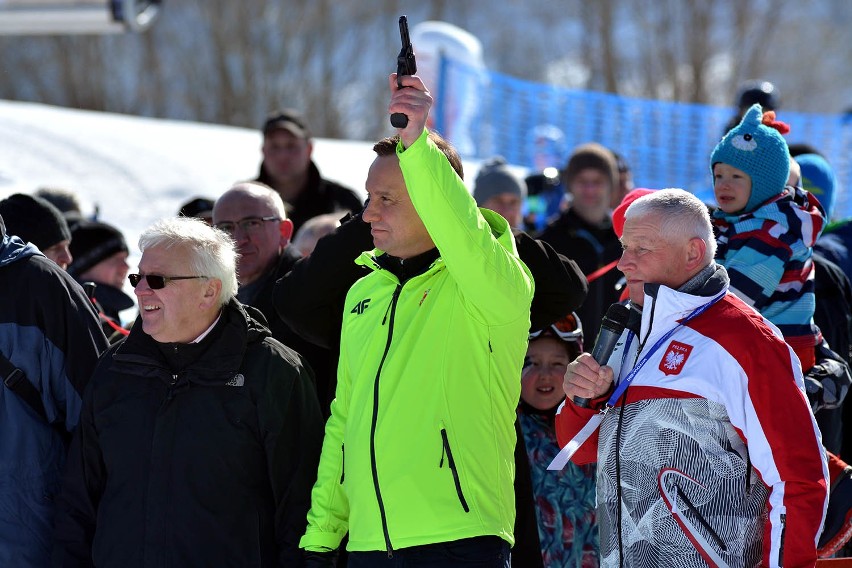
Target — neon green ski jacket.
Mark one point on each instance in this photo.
(419, 446)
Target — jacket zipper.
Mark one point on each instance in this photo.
(783, 534)
(719, 542)
(393, 303)
(342, 462)
(618, 430)
(170, 392)
(452, 463)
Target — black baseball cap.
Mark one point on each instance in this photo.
(200, 207)
(763, 93)
(288, 119)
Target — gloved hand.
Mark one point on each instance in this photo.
(827, 382)
(320, 559)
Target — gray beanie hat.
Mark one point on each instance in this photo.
(494, 178)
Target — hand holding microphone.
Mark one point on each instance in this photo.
(611, 329)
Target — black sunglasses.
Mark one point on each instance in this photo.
(155, 281)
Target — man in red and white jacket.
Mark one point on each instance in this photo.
(708, 453)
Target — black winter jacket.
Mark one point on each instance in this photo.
(192, 455)
(322, 361)
(310, 296)
(591, 247)
(319, 196)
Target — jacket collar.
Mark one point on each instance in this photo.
(218, 356)
(12, 249)
(663, 304)
(409, 268)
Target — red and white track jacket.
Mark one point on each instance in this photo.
(715, 455)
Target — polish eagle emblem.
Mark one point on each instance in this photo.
(675, 358)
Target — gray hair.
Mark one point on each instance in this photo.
(213, 253)
(263, 192)
(685, 216)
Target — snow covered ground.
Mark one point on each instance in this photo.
(137, 170)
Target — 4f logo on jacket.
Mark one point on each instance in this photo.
(675, 358)
(361, 306)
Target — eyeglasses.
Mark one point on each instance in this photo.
(248, 225)
(568, 328)
(155, 281)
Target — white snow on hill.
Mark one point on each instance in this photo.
(137, 170)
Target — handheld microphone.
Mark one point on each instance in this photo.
(612, 327)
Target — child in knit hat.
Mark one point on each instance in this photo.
(766, 229)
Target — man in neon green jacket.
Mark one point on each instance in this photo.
(417, 460)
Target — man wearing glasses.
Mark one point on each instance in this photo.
(254, 216)
(200, 434)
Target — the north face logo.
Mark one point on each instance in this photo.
(361, 306)
(238, 381)
(675, 358)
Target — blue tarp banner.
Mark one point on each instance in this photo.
(666, 144)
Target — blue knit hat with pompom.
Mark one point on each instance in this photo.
(757, 147)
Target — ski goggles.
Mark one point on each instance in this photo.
(568, 328)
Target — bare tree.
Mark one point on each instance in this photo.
(231, 62)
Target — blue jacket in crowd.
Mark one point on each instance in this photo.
(49, 330)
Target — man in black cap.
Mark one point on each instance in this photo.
(100, 256)
(198, 207)
(36, 221)
(753, 92)
(288, 169)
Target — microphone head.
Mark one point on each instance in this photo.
(616, 317)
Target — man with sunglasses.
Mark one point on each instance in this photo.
(200, 434)
(254, 216)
